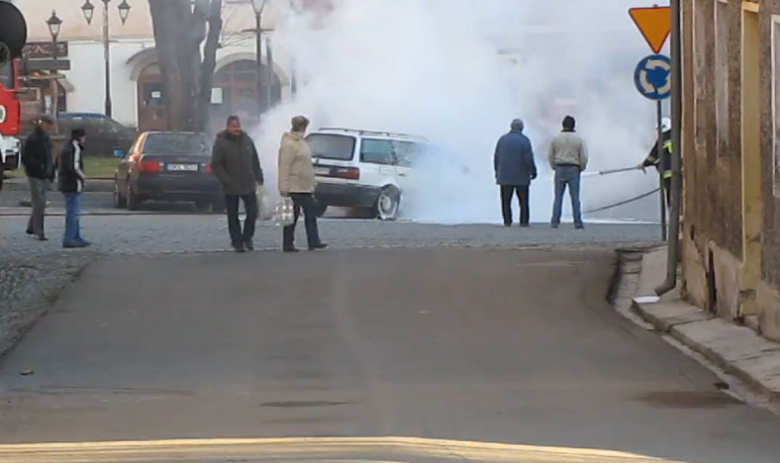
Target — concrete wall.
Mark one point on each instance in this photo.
(767, 295)
(87, 77)
(87, 74)
(731, 232)
(712, 174)
(236, 17)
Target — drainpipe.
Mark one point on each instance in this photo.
(674, 211)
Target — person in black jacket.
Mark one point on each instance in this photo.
(71, 178)
(39, 167)
(663, 164)
(237, 166)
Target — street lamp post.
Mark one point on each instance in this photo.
(259, 7)
(55, 25)
(88, 9)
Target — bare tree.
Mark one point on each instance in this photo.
(180, 28)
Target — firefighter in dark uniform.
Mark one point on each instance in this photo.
(662, 165)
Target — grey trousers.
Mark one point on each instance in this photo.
(38, 190)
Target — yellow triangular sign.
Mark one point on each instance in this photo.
(655, 24)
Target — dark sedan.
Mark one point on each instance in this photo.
(168, 166)
(106, 136)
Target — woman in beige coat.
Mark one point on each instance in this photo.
(296, 181)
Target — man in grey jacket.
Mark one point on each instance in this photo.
(515, 168)
(236, 164)
(568, 158)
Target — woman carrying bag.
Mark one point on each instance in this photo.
(297, 182)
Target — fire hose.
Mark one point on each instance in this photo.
(621, 203)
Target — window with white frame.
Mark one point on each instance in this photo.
(776, 104)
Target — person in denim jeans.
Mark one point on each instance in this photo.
(568, 157)
(71, 179)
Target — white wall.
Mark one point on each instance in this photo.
(87, 75)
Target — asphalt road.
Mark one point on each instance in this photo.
(485, 345)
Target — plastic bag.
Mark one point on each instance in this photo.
(284, 213)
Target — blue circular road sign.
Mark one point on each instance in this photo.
(653, 77)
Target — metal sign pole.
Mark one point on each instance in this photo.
(661, 168)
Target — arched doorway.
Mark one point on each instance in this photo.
(235, 92)
(152, 113)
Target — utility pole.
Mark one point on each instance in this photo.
(262, 102)
(88, 9)
(674, 212)
(269, 74)
(107, 58)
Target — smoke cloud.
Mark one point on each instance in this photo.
(457, 72)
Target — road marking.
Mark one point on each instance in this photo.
(184, 450)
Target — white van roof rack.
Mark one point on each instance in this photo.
(373, 132)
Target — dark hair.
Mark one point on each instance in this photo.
(77, 133)
(299, 123)
(568, 123)
(233, 118)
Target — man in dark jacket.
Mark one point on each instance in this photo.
(71, 178)
(515, 168)
(236, 164)
(39, 167)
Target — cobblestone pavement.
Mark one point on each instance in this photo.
(29, 283)
(183, 233)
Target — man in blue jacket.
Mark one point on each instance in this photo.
(515, 168)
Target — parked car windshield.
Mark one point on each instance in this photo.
(337, 147)
(176, 143)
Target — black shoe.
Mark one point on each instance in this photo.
(239, 248)
(318, 247)
(525, 225)
(507, 224)
(29, 232)
(579, 226)
(249, 246)
(290, 249)
(42, 238)
(555, 225)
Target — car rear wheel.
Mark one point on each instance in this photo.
(133, 200)
(387, 205)
(120, 201)
(203, 205)
(218, 205)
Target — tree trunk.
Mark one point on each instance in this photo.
(209, 64)
(179, 29)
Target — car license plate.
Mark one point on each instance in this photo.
(322, 170)
(183, 167)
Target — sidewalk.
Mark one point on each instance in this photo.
(739, 350)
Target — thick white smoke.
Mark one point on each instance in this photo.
(457, 72)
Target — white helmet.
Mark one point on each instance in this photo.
(666, 125)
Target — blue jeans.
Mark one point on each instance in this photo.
(567, 176)
(72, 213)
